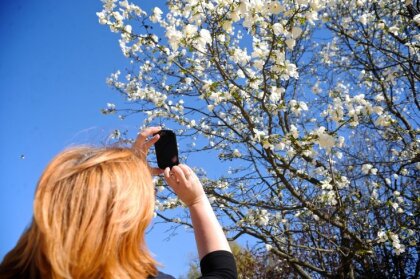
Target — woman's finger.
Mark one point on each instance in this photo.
(186, 170)
(156, 171)
(141, 138)
(179, 173)
(150, 142)
(169, 177)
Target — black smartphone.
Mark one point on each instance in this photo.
(166, 149)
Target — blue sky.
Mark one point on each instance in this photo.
(54, 58)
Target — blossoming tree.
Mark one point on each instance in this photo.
(312, 103)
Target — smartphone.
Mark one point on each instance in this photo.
(166, 149)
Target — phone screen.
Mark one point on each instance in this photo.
(166, 149)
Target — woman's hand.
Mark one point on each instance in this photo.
(186, 184)
(141, 146)
(208, 233)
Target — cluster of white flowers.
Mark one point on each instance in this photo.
(398, 202)
(222, 184)
(369, 169)
(325, 140)
(236, 153)
(259, 136)
(195, 35)
(260, 217)
(328, 196)
(297, 107)
(366, 18)
(384, 236)
(168, 203)
(110, 109)
(342, 182)
(353, 108)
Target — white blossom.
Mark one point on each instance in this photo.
(325, 140)
(236, 153)
(174, 37)
(156, 16)
(416, 19)
(259, 135)
(394, 30)
(294, 131)
(205, 36)
(296, 32)
(366, 168)
(290, 43)
(278, 29)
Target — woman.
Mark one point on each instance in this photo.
(91, 209)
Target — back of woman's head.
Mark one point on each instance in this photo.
(91, 209)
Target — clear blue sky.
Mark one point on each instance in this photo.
(54, 58)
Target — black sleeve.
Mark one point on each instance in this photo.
(218, 265)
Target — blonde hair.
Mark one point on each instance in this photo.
(91, 209)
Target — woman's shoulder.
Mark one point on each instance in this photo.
(162, 275)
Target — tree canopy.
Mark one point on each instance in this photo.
(314, 106)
